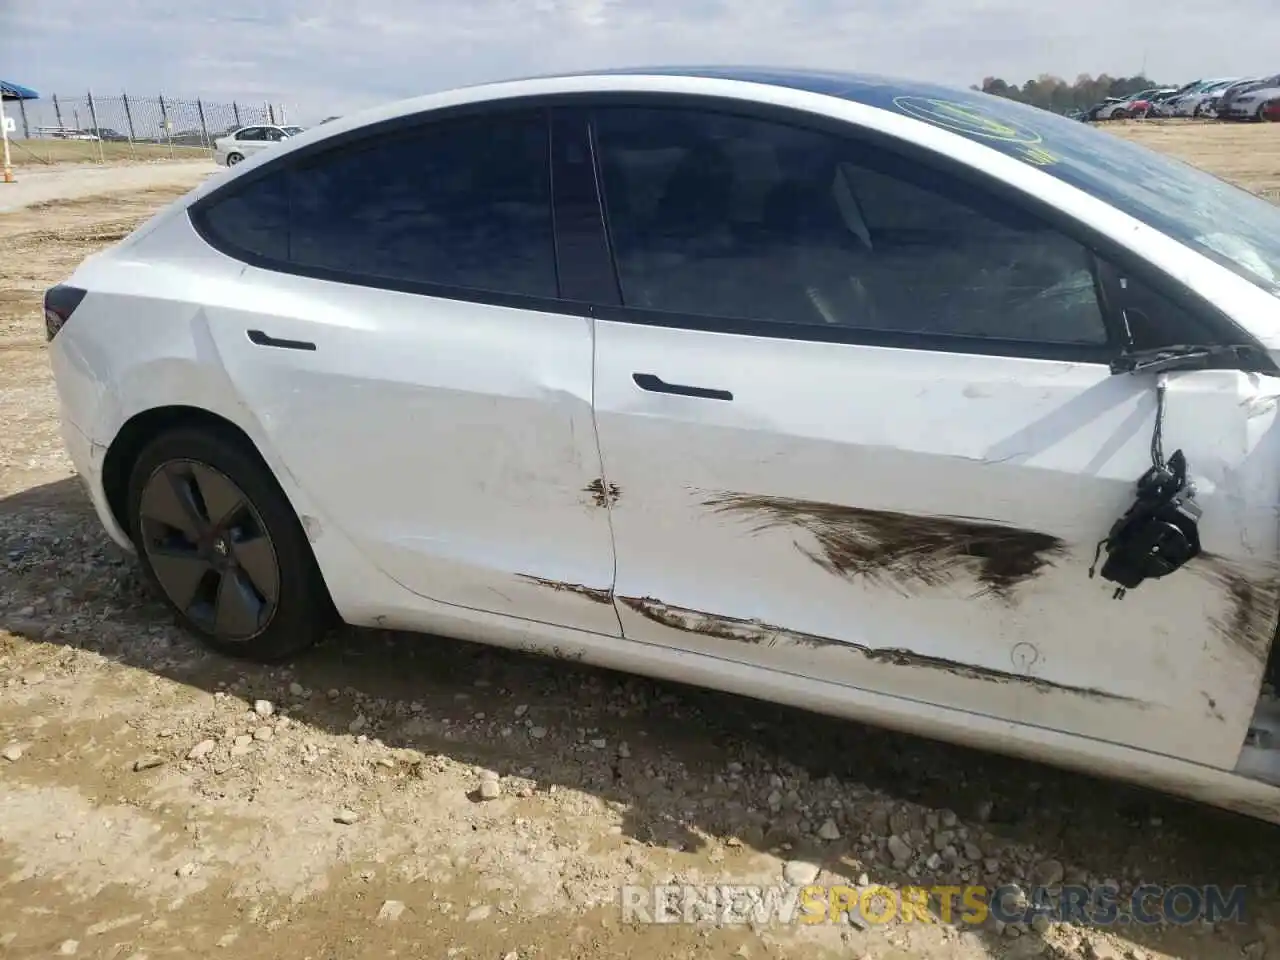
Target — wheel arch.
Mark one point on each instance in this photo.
(140, 429)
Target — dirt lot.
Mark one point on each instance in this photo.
(68, 182)
(393, 795)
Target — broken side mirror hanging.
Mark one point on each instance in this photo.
(1159, 532)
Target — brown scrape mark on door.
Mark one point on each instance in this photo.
(764, 634)
(1213, 707)
(602, 495)
(598, 594)
(902, 549)
(1252, 601)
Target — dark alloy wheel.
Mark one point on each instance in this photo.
(210, 550)
(217, 537)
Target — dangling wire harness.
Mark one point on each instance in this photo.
(1159, 532)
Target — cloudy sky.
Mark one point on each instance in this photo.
(329, 56)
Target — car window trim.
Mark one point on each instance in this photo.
(584, 265)
(1223, 326)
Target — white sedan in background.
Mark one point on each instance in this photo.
(902, 403)
(245, 142)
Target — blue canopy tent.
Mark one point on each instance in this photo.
(14, 91)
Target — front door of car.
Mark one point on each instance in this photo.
(271, 136)
(862, 428)
(403, 346)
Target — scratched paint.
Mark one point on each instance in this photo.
(604, 496)
(903, 550)
(1253, 603)
(596, 594)
(764, 634)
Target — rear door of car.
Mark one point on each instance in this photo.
(857, 412)
(401, 337)
(249, 140)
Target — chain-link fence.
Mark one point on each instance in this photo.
(95, 129)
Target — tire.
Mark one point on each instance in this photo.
(241, 578)
(1263, 111)
(234, 158)
(1120, 115)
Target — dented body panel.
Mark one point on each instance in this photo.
(454, 447)
(922, 525)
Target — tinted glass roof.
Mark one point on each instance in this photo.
(871, 88)
(1013, 128)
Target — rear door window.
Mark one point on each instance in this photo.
(457, 203)
(460, 204)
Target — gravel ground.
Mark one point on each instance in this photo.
(37, 185)
(403, 795)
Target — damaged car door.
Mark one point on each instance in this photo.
(865, 425)
(409, 356)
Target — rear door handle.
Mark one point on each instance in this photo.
(655, 384)
(264, 340)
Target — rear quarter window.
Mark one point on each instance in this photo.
(252, 220)
(459, 203)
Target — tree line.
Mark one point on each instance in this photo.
(1053, 93)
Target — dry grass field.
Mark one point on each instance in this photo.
(1244, 153)
(48, 150)
(158, 801)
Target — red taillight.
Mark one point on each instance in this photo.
(59, 303)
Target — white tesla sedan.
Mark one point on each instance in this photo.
(894, 402)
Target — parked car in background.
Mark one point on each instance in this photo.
(103, 133)
(187, 137)
(1157, 105)
(588, 366)
(65, 133)
(1195, 102)
(1136, 105)
(1250, 101)
(1105, 109)
(246, 141)
(1143, 104)
(1220, 105)
(1215, 101)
